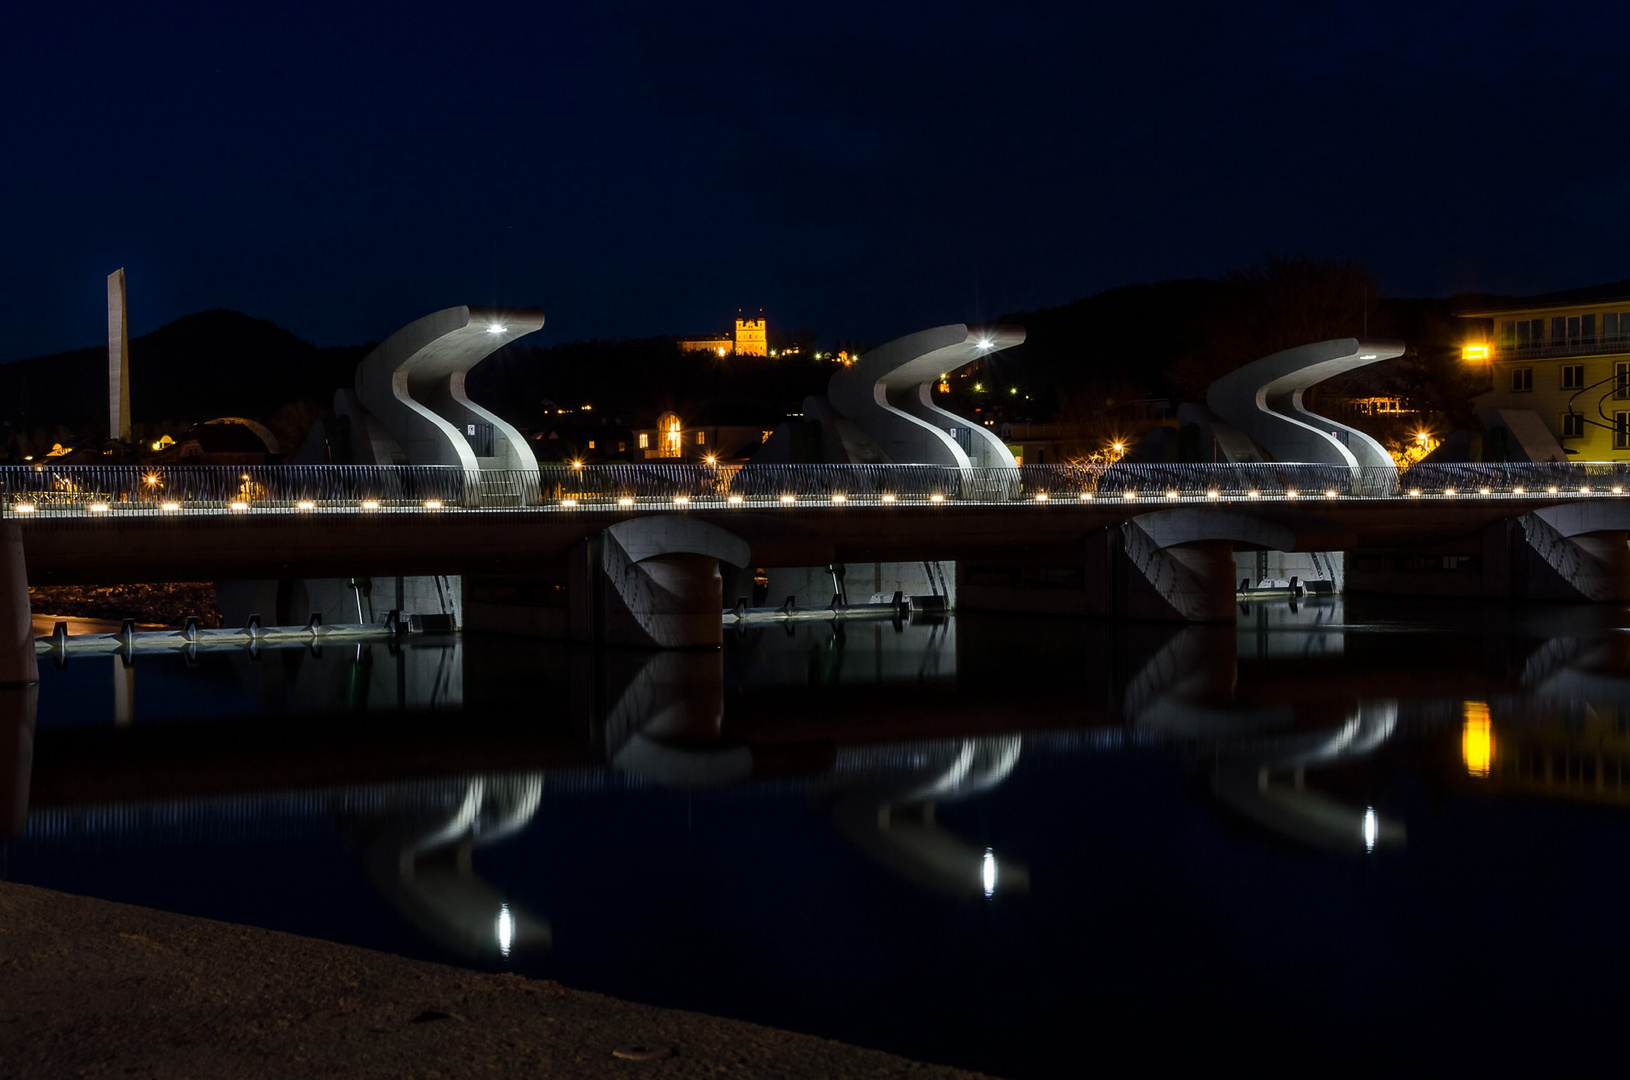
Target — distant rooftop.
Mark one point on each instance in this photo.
(1591, 294)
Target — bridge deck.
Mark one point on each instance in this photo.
(107, 525)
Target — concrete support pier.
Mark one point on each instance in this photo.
(1167, 565)
(17, 664)
(652, 582)
(19, 674)
(1182, 583)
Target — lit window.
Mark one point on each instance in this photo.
(591, 444)
(700, 438)
(672, 433)
(1477, 738)
(1522, 379)
(645, 441)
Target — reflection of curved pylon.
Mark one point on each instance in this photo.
(1251, 779)
(1184, 693)
(419, 860)
(897, 827)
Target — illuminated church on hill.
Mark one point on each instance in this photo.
(752, 339)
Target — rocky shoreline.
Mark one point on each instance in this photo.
(167, 604)
(94, 989)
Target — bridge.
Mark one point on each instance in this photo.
(1135, 540)
(444, 497)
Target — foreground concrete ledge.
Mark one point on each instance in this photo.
(93, 988)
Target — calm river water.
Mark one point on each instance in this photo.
(1026, 846)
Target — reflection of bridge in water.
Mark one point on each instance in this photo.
(879, 729)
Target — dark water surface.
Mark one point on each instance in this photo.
(1027, 846)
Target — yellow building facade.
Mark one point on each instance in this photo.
(1562, 363)
(752, 339)
(718, 345)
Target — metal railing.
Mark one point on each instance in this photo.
(1593, 346)
(45, 492)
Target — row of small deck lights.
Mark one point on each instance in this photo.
(741, 500)
(1449, 492)
(1087, 496)
(236, 505)
(307, 505)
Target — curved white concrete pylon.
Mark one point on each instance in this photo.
(1264, 400)
(887, 394)
(413, 383)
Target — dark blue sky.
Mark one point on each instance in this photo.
(852, 167)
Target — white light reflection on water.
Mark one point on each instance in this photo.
(506, 929)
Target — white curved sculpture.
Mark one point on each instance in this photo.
(887, 394)
(412, 386)
(1264, 400)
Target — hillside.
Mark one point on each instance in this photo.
(214, 363)
(637, 379)
(1168, 338)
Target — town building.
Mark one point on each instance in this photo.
(724, 434)
(718, 344)
(752, 338)
(1560, 369)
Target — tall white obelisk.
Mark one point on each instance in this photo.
(118, 359)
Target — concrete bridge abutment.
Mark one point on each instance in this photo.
(17, 664)
(1575, 553)
(1568, 553)
(652, 582)
(1166, 565)
(1182, 583)
(1178, 565)
(19, 678)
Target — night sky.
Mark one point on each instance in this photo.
(860, 169)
